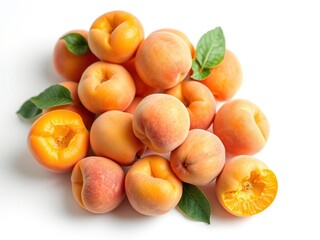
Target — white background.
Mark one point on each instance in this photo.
(277, 43)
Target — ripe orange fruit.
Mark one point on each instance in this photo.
(246, 186)
(69, 65)
(115, 36)
(58, 140)
(225, 79)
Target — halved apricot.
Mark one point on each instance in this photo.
(58, 140)
(246, 186)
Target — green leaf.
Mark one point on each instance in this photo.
(210, 52)
(197, 73)
(28, 110)
(55, 95)
(210, 48)
(195, 204)
(76, 43)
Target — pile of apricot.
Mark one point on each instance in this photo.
(140, 126)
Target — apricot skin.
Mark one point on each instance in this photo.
(163, 60)
(98, 184)
(115, 36)
(151, 186)
(106, 86)
(112, 136)
(184, 37)
(242, 127)
(199, 159)
(199, 101)
(225, 79)
(68, 65)
(161, 122)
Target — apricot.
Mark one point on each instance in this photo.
(58, 140)
(151, 186)
(199, 101)
(115, 36)
(163, 60)
(225, 79)
(68, 65)
(242, 127)
(111, 136)
(106, 86)
(98, 184)
(161, 122)
(199, 159)
(142, 89)
(184, 38)
(246, 186)
(87, 116)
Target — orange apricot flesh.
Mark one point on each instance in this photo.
(246, 186)
(58, 139)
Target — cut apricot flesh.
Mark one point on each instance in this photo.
(246, 186)
(253, 195)
(58, 140)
